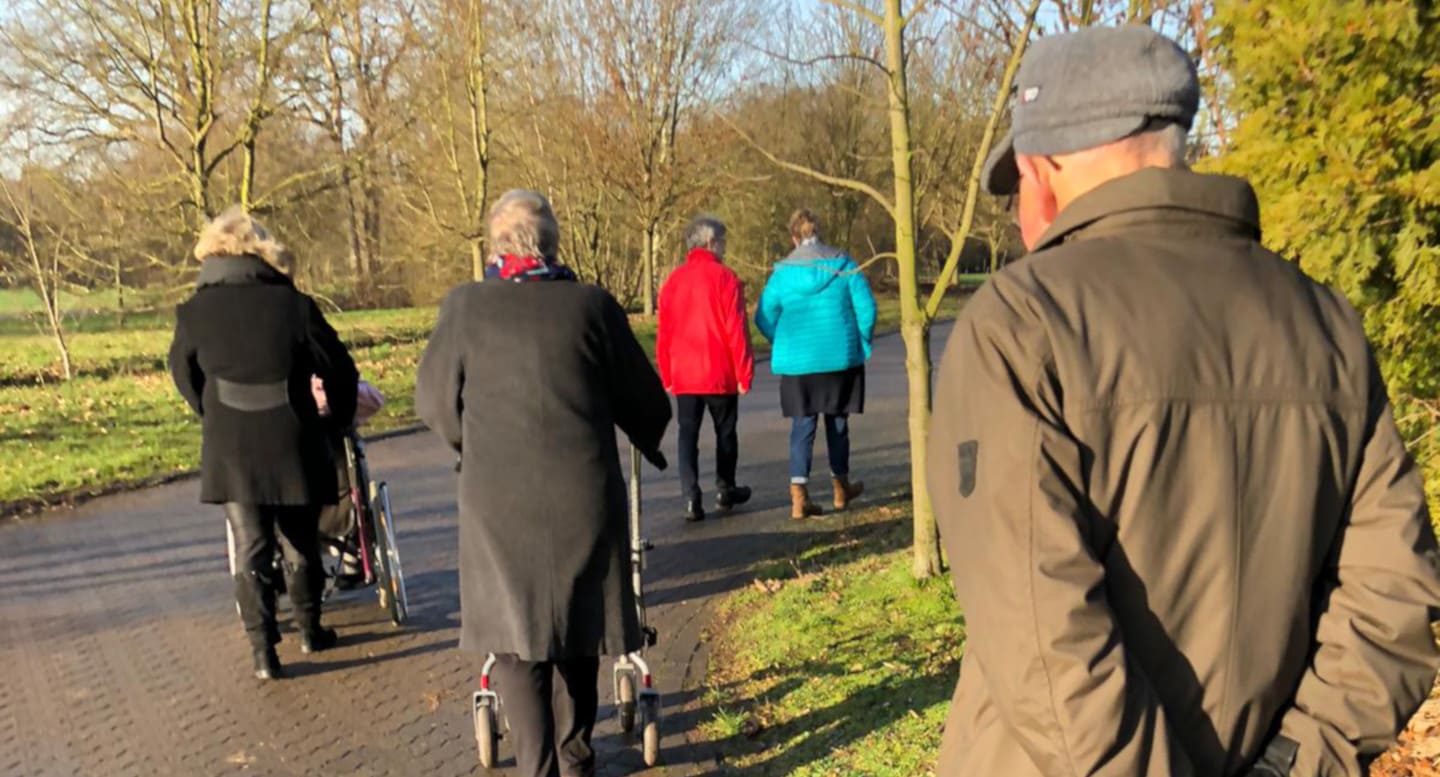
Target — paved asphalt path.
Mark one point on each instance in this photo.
(121, 654)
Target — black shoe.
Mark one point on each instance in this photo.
(732, 496)
(694, 512)
(316, 640)
(349, 581)
(267, 664)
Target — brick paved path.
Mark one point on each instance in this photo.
(120, 651)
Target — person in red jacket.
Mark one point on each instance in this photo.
(703, 347)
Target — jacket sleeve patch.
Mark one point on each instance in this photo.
(969, 460)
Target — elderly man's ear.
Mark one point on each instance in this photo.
(1038, 205)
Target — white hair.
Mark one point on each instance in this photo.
(522, 223)
(705, 232)
(1163, 143)
(237, 233)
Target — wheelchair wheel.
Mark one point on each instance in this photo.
(390, 577)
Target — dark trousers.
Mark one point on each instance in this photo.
(254, 531)
(802, 446)
(724, 411)
(551, 706)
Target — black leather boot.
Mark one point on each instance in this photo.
(732, 496)
(316, 639)
(267, 664)
(694, 510)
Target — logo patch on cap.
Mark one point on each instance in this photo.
(1029, 95)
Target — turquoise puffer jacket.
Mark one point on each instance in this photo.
(818, 312)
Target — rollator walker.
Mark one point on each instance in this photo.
(635, 696)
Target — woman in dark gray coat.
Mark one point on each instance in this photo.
(246, 346)
(528, 375)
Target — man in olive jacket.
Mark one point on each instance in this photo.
(1184, 530)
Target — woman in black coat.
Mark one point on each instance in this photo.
(246, 345)
(528, 375)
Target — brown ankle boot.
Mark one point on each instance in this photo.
(846, 491)
(800, 505)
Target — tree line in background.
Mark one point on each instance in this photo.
(372, 134)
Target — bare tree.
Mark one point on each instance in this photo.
(359, 47)
(657, 62)
(46, 252)
(148, 93)
(450, 92)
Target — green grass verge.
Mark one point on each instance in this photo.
(141, 346)
(837, 662)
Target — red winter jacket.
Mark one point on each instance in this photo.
(703, 338)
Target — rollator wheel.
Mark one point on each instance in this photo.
(650, 735)
(486, 736)
(626, 703)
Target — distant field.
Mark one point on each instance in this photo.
(19, 302)
(120, 421)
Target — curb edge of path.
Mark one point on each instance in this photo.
(38, 507)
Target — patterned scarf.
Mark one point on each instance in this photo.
(524, 269)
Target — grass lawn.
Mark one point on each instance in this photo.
(120, 421)
(838, 662)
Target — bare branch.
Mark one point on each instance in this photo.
(809, 172)
(812, 61)
(915, 13)
(858, 10)
(972, 191)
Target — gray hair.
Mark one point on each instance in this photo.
(237, 233)
(522, 223)
(704, 232)
(1169, 141)
(1163, 141)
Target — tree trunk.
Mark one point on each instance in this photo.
(48, 287)
(57, 330)
(647, 257)
(478, 88)
(477, 260)
(914, 325)
(352, 221)
(119, 293)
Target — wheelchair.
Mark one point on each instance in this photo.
(357, 534)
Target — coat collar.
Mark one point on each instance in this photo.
(701, 255)
(813, 250)
(239, 271)
(1155, 195)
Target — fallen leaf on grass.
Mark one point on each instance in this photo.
(768, 586)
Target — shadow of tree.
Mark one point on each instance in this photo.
(816, 735)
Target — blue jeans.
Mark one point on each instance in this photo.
(802, 446)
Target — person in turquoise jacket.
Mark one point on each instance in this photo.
(818, 312)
